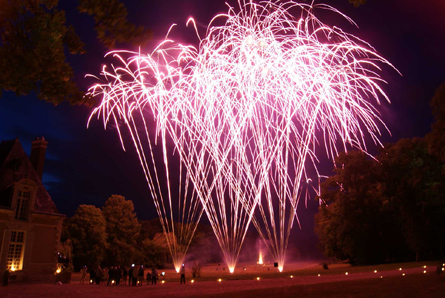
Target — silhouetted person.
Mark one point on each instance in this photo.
(148, 277)
(154, 275)
(141, 275)
(439, 267)
(92, 275)
(5, 277)
(118, 275)
(130, 276)
(83, 273)
(99, 275)
(124, 275)
(182, 271)
(111, 273)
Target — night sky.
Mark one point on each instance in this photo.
(86, 166)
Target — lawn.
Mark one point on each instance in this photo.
(304, 279)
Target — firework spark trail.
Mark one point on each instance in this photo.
(285, 80)
(133, 94)
(243, 111)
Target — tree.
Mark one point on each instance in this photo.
(155, 252)
(436, 138)
(86, 229)
(413, 182)
(353, 223)
(122, 229)
(111, 23)
(33, 39)
(390, 210)
(357, 3)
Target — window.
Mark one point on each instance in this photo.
(16, 250)
(22, 209)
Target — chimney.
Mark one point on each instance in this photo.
(38, 150)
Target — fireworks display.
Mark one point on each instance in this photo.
(241, 117)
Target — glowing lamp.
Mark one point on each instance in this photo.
(162, 281)
(381, 276)
(91, 281)
(258, 278)
(400, 269)
(375, 271)
(443, 269)
(403, 274)
(346, 273)
(291, 276)
(424, 267)
(424, 271)
(219, 280)
(112, 282)
(192, 281)
(58, 270)
(318, 274)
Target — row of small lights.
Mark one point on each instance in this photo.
(400, 269)
(258, 278)
(346, 273)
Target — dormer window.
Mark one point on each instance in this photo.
(22, 209)
(24, 198)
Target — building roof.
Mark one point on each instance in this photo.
(15, 166)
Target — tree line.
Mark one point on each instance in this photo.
(390, 207)
(113, 236)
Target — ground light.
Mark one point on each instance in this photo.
(346, 273)
(258, 278)
(291, 276)
(192, 281)
(219, 280)
(375, 271)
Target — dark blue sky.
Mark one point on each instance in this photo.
(86, 166)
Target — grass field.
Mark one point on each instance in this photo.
(308, 280)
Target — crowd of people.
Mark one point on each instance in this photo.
(116, 275)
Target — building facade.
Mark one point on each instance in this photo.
(30, 224)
